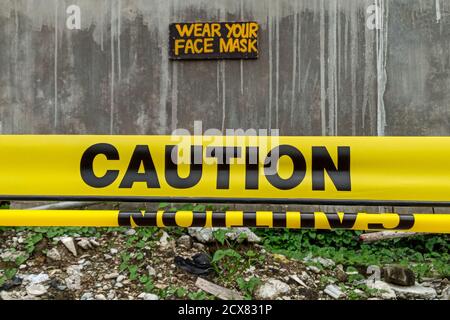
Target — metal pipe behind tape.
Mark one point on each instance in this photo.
(417, 222)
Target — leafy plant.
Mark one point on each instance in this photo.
(226, 263)
(248, 287)
(199, 295)
(425, 254)
(4, 204)
(220, 235)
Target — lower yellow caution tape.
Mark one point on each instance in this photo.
(416, 222)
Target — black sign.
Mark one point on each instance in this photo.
(214, 40)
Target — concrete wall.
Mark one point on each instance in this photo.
(321, 70)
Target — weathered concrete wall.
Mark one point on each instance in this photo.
(321, 70)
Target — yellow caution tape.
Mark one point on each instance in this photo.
(417, 222)
(328, 170)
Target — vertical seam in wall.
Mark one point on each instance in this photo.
(294, 66)
(322, 68)
(55, 120)
(119, 22)
(111, 119)
(277, 63)
(269, 29)
(381, 68)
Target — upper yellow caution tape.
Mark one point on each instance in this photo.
(345, 170)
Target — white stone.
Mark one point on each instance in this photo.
(446, 293)
(100, 297)
(113, 251)
(327, 263)
(151, 271)
(313, 269)
(385, 289)
(70, 245)
(148, 296)
(109, 276)
(298, 280)
(94, 243)
(54, 254)
(111, 295)
(206, 235)
(271, 289)
(185, 241)
(36, 289)
(85, 244)
(130, 232)
(164, 240)
(15, 295)
(36, 278)
(10, 255)
(86, 296)
(73, 281)
(416, 291)
(120, 278)
(334, 291)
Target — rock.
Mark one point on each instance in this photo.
(399, 275)
(164, 240)
(94, 243)
(206, 235)
(36, 278)
(120, 278)
(385, 290)
(359, 292)
(334, 291)
(5, 295)
(110, 276)
(86, 296)
(280, 257)
(130, 232)
(73, 281)
(340, 274)
(151, 271)
(313, 269)
(298, 280)
(148, 296)
(113, 251)
(185, 241)
(36, 289)
(85, 244)
(217, 291)
(271, 289)
(249, 235)
(16, 295)
(54, 255)
(55, 283)
(11, 255)
(199, 246)
(100, 297)
(70, 245)
(327, 263)
(415, 291)
(445, 293)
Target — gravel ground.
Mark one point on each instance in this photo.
(130, 264)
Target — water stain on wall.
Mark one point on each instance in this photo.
(321, 70)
